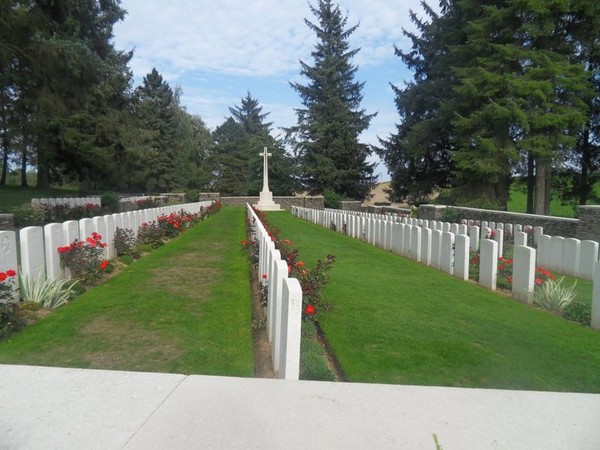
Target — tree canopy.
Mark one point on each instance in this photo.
(326, 137)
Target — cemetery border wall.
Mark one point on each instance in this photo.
(286, 202)
(586, 227)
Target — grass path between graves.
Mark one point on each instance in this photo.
(398, 321)
(184, 308)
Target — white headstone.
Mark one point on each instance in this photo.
(461, 257)
(570, 257)
(488, 264)
(447, 253)
(523, 276)
(588, 256)
(291, 323)
(32, 252)
(426, 246)
(520, 238)
(53, 239)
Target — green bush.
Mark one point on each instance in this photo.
(110, 202)
(578, 312)
(11, 320)
(331, 199)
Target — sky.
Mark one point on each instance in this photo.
(218, 51)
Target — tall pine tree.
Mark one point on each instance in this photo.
(326, 137)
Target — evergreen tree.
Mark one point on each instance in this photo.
(325, 139)
(157, 110)
(250, 116)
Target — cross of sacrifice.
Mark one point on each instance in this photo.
(265, 155)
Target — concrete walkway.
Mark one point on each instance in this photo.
(56, 408)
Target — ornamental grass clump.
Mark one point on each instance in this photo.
(553, 295)
(47, 293)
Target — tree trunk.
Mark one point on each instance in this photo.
(586, 161)
(4, 167)
(43, 171)
(24, 168)
(542, 190)
(530, 182)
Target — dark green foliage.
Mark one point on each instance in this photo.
(110, 202)
(578, 312)
(125, 243)
(11, 320)
(495, 84)
(237, 168)
(325, 139)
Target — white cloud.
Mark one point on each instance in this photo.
(258, 38)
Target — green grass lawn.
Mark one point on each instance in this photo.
(397, 321)
(518, 202)
(185, 308)
(12, 197)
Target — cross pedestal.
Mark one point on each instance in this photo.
(265, 202)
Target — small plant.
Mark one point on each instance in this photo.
(124, 242)
(84, 259)
(578, 312)
(264, 291)
(150, 234)
(48, 293)
(553, 296)
(11, 320)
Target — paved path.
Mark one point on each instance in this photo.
(56, 408)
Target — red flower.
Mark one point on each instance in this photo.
(309, 310)
(264, 276)
(2, 277)
(104, 264)
(538, 280)
(10, 273)
(510, 279)
(299, 264)
(289, 268)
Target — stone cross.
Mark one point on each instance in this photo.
(265, 155)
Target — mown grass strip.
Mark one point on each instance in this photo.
(397, 321)
(184, 308)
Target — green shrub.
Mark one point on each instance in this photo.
(110, 202)
(124, 242)
(331, 199)
(28, 216)
(578, 312)
(11, 320)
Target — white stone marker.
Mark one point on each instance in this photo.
(389, 227)
(281, 272)
(492, 225)
(499, 238)
(71, 229)
(518, 227)
(291, 323)
(461, 257)
(537, 232)
(447, 253)
(406, 245)
(570, 257)
(520, 238)
(543, 250)
(8, 258)
(32, 252)
(463, 229)
(523, 275)
(426, 246)
(415, 247)
(596, 298)
(556, 252)
(454, 228)
(588, 255)
(54, 238)
(474, 237)
(488, 264)
(436, 248)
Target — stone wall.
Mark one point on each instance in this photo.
(7, 222)
(553, 226)
(589, 223)
(349, 205)
(314, 202)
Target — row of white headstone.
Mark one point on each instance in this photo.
(37, 247)
(72, 202)
(284, 305)
(447, 247)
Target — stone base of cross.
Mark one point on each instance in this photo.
(265, 202)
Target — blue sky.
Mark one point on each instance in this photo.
(218, 51)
